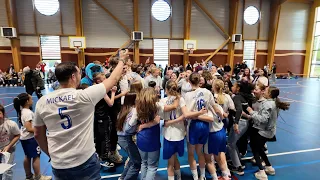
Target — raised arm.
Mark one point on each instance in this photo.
(116, 74)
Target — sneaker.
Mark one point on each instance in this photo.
(15, 85)
(253, 161)
(202, 178)
(270, 170)
(114, 158)
(117, 153)
(118, 147)
(237, 170)
(42, 177)
(31, 178)
(261, 175)
(107, 164)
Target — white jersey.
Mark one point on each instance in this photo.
(175, 132)
(202, 97)
(216, 124)
(68, 115)
(228, 102)
(26, 116)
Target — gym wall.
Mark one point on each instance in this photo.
(104, 35)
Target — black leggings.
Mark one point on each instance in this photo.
(257, 143)
(38, 93)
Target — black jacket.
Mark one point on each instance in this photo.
(33, 80)
(241, 102)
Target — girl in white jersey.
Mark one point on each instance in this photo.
(9, 136)
(22, 104)
(198, 129)
(217, 140)
(148, 136)
(174, 129)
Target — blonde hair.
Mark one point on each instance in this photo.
(219, 85)
(136, 87)
(146, 105)
(172, 88)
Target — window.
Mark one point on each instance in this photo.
(161, 51)
(315, 61)
(161, 10)
(47, 7)
(50, 51)
(251, 15)
(249, 53)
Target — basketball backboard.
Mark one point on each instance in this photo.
(190, 44)
(77, 42)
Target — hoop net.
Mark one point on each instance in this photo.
(77, 49)
(190, 51)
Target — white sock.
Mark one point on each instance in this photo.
(178, 174)
(194, 174)
(202, 172)
(226, 173)
(170, 177)
(214, 176)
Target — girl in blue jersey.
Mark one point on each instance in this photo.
(148, 136)
(126, 129)
(198, 129)
(174, 129)
(216, 145)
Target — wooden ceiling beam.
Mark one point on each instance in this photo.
(79, 28)
(126, 28)
(233, 19)
(136, 28)
(15, 42)
(206, 12)
(273, 30)
(187, 26)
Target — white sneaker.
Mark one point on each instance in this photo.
(261, 175)
(107, 164)
(118, 147)
(42, 177)
(270, 170)
(10, 85)
(15, 85)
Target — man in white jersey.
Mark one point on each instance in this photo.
(64, 123)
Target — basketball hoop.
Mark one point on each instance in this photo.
(190, 50)
(77, 49)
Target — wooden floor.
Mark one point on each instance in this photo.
(295, 155)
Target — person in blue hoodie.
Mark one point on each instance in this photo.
(91, 69)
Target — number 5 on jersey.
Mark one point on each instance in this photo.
(63, 116)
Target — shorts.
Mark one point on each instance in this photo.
(217, 142)
(31, 148)
(172, 147)
(198, 132)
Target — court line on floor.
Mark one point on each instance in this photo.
(317, 105)
(246, 158)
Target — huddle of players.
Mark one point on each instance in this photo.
(199, 114)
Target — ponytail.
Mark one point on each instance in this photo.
(274, 93)
(219, 85)
(282, 105)
(172, 88)
(18, 102)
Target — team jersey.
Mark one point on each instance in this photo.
(130, 124)
(228, 102)
(26, 116)
(198, 99)
(217, 124)
(68, 115)
(175, 132)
